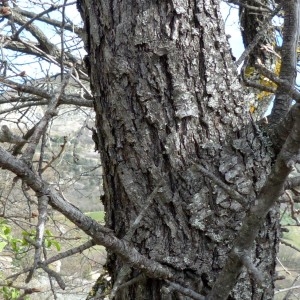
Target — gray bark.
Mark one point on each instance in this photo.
(288, 71)
(168, 99)
(258, 34)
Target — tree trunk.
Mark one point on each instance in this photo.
(167, 100)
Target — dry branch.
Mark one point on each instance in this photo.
(255, 219)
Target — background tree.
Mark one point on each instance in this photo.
(186, 171)
(64, 157)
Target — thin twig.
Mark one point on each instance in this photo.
(287, 289)
(41, 126)
(185, 291)
(282, 241)
(57, 257)
(40, 228)
(49, 277)
(288, 88)
(283, 267)
(142, 213)
(292, 205)
(230, 191)
(258, 37)
(252, 270)
(126, 269)
(287, 295)
(54, 158)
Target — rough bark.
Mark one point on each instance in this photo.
(256, 19)
(282, 102)
(168, 99)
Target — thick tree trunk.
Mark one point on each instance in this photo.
(168, 99)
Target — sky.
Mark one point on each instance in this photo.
(231, 17)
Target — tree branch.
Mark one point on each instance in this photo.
(40, 128)
(40, 228)
(43, 40)
(282, 101)
(56, 23)
(59, 256)
(257, 38)
(100, 234)
(230, 191)
(256, 217)
(289, 245)
(64, 99)
(185, 291)
(285, 86)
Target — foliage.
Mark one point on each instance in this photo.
(10, 293)
(16, 245)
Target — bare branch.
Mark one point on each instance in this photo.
(185, 291)
(285, 85)
(16, 34)
(252, 270)
(55, 275)
(148, 202)
(252, 223)
(289, 245)
(40, 128)
(59, 256)
(257, 38)
(29, 14)
(292, 205)
(282, 101)
(64, 99)
(6, 136)
(231, 192)
(40, 228)
(100, 234)
(44, 43)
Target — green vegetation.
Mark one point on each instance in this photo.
(97, 215)
(292, 236)
(11, 293)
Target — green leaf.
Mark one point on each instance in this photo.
(7, 230)
(48, 232)
(56, 244)
(24, 242)
(25, 233)
(48, 243)
(2, 245)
